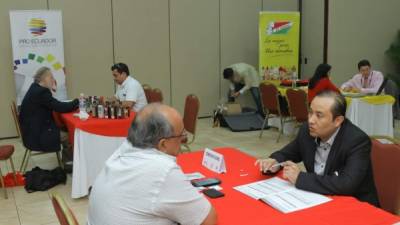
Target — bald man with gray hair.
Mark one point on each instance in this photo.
(141, 182)
(38, 127)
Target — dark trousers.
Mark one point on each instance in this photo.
(255, 93)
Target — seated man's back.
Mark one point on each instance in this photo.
(144, 186)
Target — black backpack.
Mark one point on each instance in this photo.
(41, 180)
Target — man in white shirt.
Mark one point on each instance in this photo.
(129, 91)
(367, 81)
(243, 77)
(141, 182)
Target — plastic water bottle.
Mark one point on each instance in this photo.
(294, 79)
(82, 106)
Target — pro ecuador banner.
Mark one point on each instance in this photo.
(37, 41)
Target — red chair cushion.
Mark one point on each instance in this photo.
(6, 151)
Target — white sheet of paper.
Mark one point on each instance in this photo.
(282, 195)
(194, 176)
(384, 141)
(216, 187)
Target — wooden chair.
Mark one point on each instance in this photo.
(28, 152)
(15, 114)
(270, 100)
(298, 105)
(64, 213)
(147, 91)
(192, 106)
(385, 159)
(6, 152)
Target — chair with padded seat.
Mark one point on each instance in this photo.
(28, 152)
(298, 105)
(272, 107)
(6, 152)
(191, 111)
(156, 96)
(147, 91)
(385, 159)
(64, 213)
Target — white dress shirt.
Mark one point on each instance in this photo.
(322, 153)
(144, 187)
(372, 83)
(131, 90)
(248, 75)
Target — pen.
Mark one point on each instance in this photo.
(275, 165)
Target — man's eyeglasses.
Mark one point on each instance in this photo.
(183, 135)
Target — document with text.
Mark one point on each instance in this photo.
(282, 195)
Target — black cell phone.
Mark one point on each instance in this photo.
(205, 182)
(212, 193)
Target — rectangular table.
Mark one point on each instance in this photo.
(94, 142)
(237, 208)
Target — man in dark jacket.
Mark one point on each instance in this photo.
(38, 128)
(335, 152)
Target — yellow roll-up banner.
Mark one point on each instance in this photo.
(279, 34)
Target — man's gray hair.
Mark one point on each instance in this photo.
(39, 75)
(149, 127)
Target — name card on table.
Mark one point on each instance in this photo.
(214, 161)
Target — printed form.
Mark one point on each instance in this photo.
(282, 195)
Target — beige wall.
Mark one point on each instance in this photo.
(87, 46)
(195, 52)
(280, 5)
(239, 38)
(312, 40)
(361, 29)
(141, 39)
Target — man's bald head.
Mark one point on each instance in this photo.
(153, 123)
(166, 111)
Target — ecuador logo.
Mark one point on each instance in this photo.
(279, 27)
(37, 26)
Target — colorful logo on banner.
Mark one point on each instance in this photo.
(37, 26)
(279, 27)
(50, 59)
(279, 45)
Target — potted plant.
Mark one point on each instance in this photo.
(393, 52)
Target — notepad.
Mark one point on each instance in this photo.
(282, 195)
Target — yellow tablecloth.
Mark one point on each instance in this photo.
(375, 99)
(282, 89)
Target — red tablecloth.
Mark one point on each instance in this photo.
(105, 127)
(237, 208)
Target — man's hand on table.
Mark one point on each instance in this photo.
(346, 89)
(351, 89)
(266, 165)
(291, 171)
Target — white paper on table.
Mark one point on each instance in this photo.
(194, 176)
(384, 141)
(216, 187)
(282, 195)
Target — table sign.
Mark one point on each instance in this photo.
(214, 161)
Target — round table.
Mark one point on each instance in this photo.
(94, 141)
